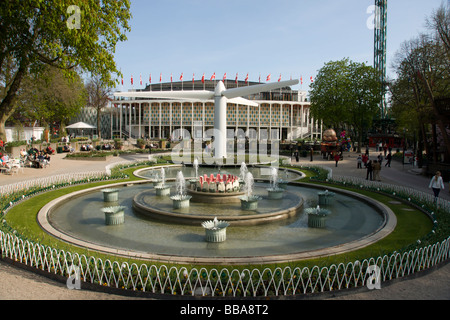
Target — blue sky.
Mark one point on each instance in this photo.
(289, 37)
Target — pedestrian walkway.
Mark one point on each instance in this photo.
(19, 284)
(397, 173)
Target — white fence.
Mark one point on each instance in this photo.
(222, 282)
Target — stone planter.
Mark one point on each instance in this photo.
(114, 215)
(215, 231)
(317, 217)
(275, 193)
(180, 202)
(325, 197)
(162, 190)
(249, 203)
(216, 235)
(316, 221)
(110, 195)
(193, 184)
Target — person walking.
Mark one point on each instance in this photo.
(337, 157)
(437, 184)
(388, 160)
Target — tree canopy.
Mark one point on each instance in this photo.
(65, 34)
(346, 94)
(420, 94)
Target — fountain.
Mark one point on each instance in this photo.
(154, 228)
(215, 230)
(180, 199)
(114, 215)
(193, 182)
(162, 189)
(317, 217)
(110, 195)
(249, 201)
(275, 192)
(324, 197)
(243, 172)
(157, 181)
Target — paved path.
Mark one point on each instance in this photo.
(20, 284)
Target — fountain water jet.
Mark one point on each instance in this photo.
(249, 201)
(162, 189)
(180, 199)
(275, 193)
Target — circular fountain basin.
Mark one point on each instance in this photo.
(355, 222)
(147, 204)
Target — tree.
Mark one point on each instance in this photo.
(329, 95)
(50, 97)
(98, 94)
(423, 79)
(346, 93)
(35, 33)
(364, 98)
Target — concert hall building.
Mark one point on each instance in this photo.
(282, 114)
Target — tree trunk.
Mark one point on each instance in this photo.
(99, 124)
(7, 105)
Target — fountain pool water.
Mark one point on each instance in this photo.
(81, 218)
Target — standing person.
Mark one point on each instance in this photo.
(369, 170)
(380, 159)
(376, 167)
(437, 184)
(359, 161)
(364, 160)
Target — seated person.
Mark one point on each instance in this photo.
(49, 150)
(66, 148)
(23, 153)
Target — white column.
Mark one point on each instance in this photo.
(120, 120)
(259, 122)
(270, 122)
(302, 115)
(140, 116)
(129, 121)
(170, 118)
(220, 122)
(160, 119)
(248, 119)
(292, 121)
